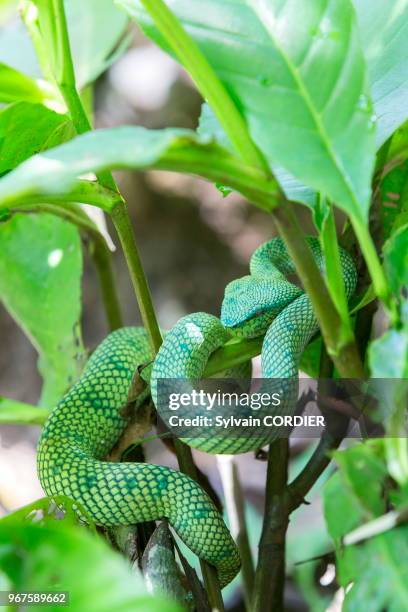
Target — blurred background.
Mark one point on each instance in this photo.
(193, 241)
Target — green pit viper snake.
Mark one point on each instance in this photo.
(87, 422)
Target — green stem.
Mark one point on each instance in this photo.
(211, 164)
(207, 82)
(86, 192)
(374, 266)
(232, 354)
(375, 527)
(184, 455)
(342, 349)
(65, 75)
(18, 413)
(214, 165)
(103, 262)
(121, 221)
(65, 79)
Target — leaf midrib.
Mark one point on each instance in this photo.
(320, 129)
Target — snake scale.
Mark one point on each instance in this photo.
(88, 421)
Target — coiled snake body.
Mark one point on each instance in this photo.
(88, 421)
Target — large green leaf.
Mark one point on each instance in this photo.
(40, 275)
(384, 31)
(58, 557)
(26, 129)
(54, 171)
(296, 72)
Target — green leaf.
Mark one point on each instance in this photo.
(16, 86)
(388, 361)
(47, 510)
(398, 150)
(95, 28)
(17, 413)
(359, 301)
(55, 171)
(16, 48)
(271, 58)
(362, 464)
(57, 557)
(40, 276)
(378, 573)
(310, 360)
(293, 189)
(26, 129)
(394, 200)
(342, 510)
(384, 31)
(334, 276)
(348, 501)
(396, 260)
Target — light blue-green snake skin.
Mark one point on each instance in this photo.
(88, 421)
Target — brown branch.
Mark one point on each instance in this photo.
(270, 571)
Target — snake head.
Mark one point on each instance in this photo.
(250, 304)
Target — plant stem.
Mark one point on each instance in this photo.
(184, 455)
(18, 413)
(86, 192)
(235, 505)
(65, 79)
(374, 267)
(270, 572)
(232, 354)
(121, 221)
(65, 75)
(103, 263)
(379, 525)
(187, 465)
(342, 348)
(335, 430)
(207, 81)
